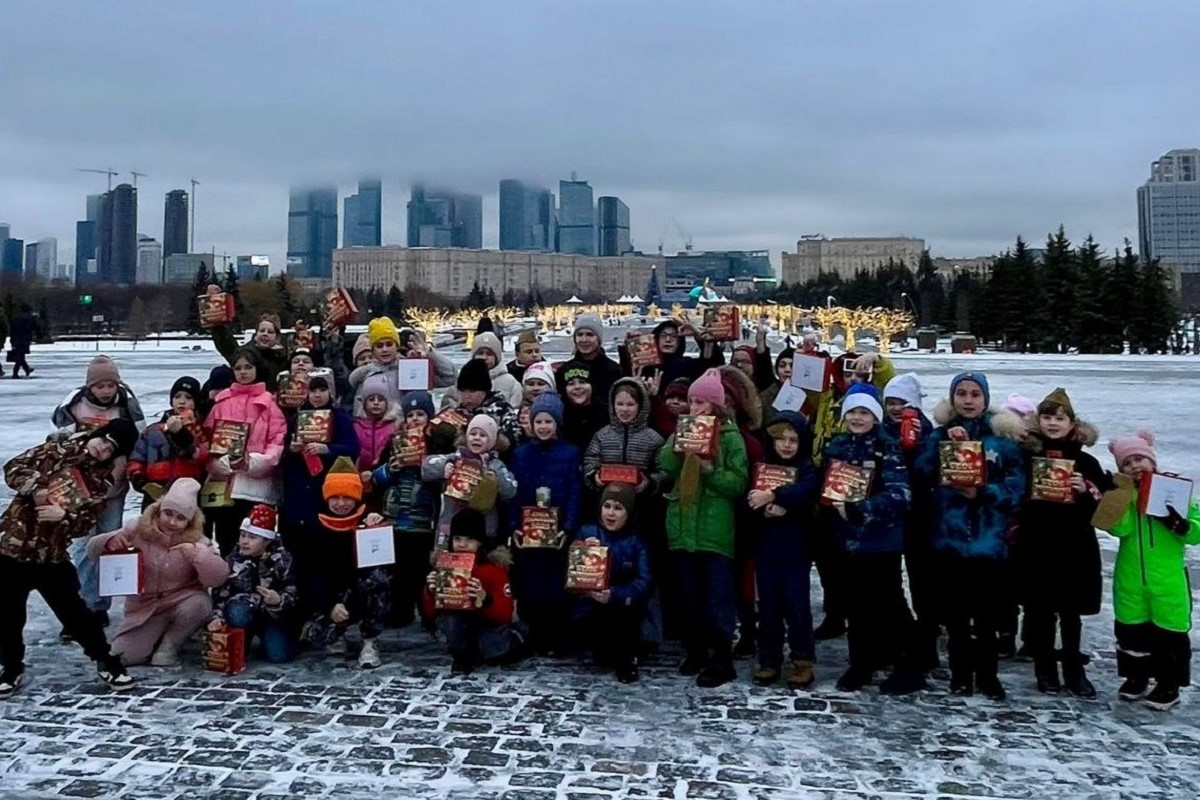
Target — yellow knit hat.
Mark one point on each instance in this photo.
(343, 480)
(382, 329)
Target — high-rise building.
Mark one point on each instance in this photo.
(1169, 217)
(87, 241)
(440, 218)
(613, 217)
(150, 260)
(12, 259)
(576, 218)
(363, 222)
(527, 218)
(5, 231)
(312, 232)
(31, 260)
(175, 223)
(182, 267)
(45, 259)
(118, 236)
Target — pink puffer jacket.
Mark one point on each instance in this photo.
(253, 404)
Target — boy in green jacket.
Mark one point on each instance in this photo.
(700, 535)
(1152, 601)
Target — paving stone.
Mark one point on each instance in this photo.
(543, 780)
(84, 788)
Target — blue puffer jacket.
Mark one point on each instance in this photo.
(876, 525)
(555, 464)
(785, 538)
(920, 519)
(409, 502)
(978, 527)
(302, 499)
(629, 564)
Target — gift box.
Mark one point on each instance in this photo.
(696, 435)
(120, 574)
(452, 416)
(225, 651)
(68, 490)
(314, 426)
(962, 465)
(408, 446)
(464, 477)
(216, 308)
(769, 477)
(643, 351)
(1050, 479)
(374, 547)
(587, 567)
(293, 389)
(451, 582)
(539, 527)
(1161, 489)
(845, 482)
(723, 322)
(304, 337)
(339, 308)
(229, 439)
(619, 473)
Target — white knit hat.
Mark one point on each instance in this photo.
(905, 387)
(539, 371)
(861, 400)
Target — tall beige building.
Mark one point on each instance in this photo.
(845, 257)
(453, 271)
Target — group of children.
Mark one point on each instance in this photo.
(261, 536)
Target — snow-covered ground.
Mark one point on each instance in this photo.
(545, 729)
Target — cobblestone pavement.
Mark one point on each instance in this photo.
(543, 730)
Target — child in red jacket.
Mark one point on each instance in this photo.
(174, 447)
(490, 632)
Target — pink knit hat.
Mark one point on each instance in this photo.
(1019, 404)
(708, 387)
(1140, 444)
(182, 497)
(488, 426)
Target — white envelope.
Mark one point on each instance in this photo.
(1168, 490)
(414, 374)
(790, 398)
(808, 372)
(374, 547)
(120, 574)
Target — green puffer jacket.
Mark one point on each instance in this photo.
(1150, 580)
(707, 524)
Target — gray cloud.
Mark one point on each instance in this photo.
(751, 122)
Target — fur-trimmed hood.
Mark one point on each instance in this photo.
(148, 531)
(1085, 434)
(1006, 424)
(747, 395)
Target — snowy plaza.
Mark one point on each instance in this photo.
(548, 729)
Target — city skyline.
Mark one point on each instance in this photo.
(749, 146)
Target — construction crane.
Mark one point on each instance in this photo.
(107, 172)
(687, 237)
(137, 175)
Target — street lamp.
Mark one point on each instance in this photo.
(916, 314)
(829, 301)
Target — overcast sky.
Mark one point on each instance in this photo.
(752, 123)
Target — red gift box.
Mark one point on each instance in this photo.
(225, 651)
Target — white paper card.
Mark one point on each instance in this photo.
(375, 547)
(414, 374)
(808, 372)
(120, 575)
(1168, 490)
(790, 398)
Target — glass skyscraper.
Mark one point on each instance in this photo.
(363, 219)
(175, 223)
(312, 232)
(439, 218)
(613, 217)
(1169, 217)
(527, 219)
(117, 236)
(576, 218)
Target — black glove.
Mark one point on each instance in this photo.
(1176, 523)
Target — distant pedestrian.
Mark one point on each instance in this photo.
(21, 333)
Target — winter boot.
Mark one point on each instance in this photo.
(1045, 671)
(1134, 688)
(854, 679)
(1075, 678)
(745, 647)
(830, 628)
(1164, 697)
(902, 682)
(765, 676)
(719, 669)
(368, 657)
(802, 675)
(10, 681)
(694, 661)
(627, 671)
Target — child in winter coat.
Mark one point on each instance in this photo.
(970, 537)
(475, 395)
(479, 447)
(388, 346)
(1151, 596)
(783, 374)
(487, 349)
(1056, 555)
(489, 633)
(674, 404)
(583, 413)
(627, 439)
(537, 380)
(411, 504)
(904, 422)
(259, 596)
(870, 533)
(700, 514)
(35, 532)
(233, 487)
(172, 448)
(179, 566)
(103, 397)
(375, 424)
(612, 618)
(781, 555)
(546, 470)
(271, 355)
(343, 594)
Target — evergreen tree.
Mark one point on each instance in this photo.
(931, 292)
(288, 304)
(1154, 309)
(1055, 314)
(394, 304)
(509, 299)
(43, 314)
(1122, 291)
(230, 285)
(538, 299)
(199, 287)
(135, 324)
(527, 304)
(491, 299)
(1012, 297)
(1095, 330)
